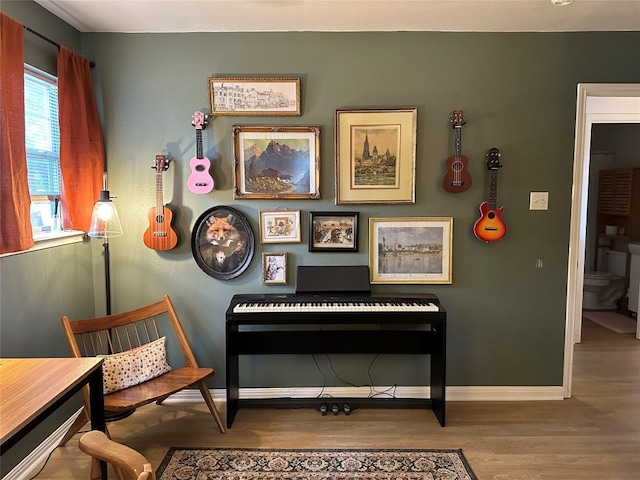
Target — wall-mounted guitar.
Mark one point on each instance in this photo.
(160, 234)
(457, 179)
(490, 227)
(200, 181)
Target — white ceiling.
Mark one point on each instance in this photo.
(345, 15)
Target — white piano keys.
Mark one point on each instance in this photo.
(337, 306)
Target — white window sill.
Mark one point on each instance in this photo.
(48, 240)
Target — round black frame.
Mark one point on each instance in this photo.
(227, 255)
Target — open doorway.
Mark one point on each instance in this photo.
(596, 103)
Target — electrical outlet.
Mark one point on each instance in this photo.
(539, 201)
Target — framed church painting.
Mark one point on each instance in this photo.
(375, 155)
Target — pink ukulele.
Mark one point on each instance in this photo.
(200, 181)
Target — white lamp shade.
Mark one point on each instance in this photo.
(105, 222)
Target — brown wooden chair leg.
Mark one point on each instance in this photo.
(78, 423)
(212, 406)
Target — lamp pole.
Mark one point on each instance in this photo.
(107, 275)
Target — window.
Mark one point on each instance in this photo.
(43, 149)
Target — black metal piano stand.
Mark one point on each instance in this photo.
(388, 333)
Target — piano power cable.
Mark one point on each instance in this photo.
(324, 378)
(373, 393)
(372, 390)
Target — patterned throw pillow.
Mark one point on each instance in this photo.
(131, 367)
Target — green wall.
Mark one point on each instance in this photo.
(506, 317)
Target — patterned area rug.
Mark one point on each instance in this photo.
(260, 464)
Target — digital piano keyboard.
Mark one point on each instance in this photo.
(334, 312)
(331, 304)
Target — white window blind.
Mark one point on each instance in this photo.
(42, 133)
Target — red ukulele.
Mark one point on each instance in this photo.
(160, 235)
(490, 227)
(457, 179)
(200, 181)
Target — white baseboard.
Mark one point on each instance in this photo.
(504, 393)
(26, 468)
(454, 394)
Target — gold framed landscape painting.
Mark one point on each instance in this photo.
(253, 97)
(276, 162)
(411, 250)
(376, 155)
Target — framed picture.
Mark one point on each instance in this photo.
(255, 96)
(376, 155)
(410, 249)
(274, 268)
(222, 242)
(279, 226)
(275, 162)
(333, 231)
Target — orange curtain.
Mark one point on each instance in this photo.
(81, 147)
(15, 202)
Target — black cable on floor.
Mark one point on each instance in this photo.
(48, 458)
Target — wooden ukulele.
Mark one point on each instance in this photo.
(200, 181)
(490, 227)
(160, 235)
(457, 179)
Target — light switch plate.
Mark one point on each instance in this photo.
(539, 201)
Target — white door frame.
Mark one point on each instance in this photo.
(596, 103)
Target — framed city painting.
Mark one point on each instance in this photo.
(279, 226)
(276, 162)
(274, 268)
(375, 155)
(255, 96)
(333, 231)
(222, 242)
(410, 249)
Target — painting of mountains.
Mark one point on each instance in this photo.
(276, 162)
(277, 166)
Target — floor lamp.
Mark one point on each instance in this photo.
(105, 224)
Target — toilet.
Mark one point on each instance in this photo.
(603, 290)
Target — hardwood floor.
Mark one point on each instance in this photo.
(593, 436)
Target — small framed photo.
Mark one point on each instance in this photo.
(274, 268)
(410, 250)
(276, 162)
(279, 226)
(255, 96)
(333, 231)
(376, 156)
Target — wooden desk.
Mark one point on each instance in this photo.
(32, 388)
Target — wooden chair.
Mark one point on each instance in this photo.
(127, 463)
(122, 332)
